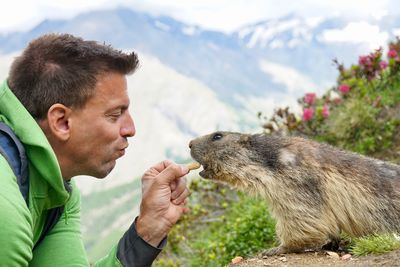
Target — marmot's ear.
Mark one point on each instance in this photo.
(244, 139)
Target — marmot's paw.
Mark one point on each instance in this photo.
(274, 251)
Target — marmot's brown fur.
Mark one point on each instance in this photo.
(315, 191)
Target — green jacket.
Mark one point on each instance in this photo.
(20, 226)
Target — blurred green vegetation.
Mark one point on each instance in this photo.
(99, 212)
(222, 224)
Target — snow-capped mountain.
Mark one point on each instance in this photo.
(286, 32)
(309, 45)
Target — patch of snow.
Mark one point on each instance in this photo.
(263, 33)
(162, 26)
(244, 31)
(190, 30)
(276, 44)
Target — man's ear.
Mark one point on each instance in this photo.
(58, 119)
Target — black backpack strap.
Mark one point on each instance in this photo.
(53, 216)
(14, 152)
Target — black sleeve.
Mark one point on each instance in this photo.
(133, 251)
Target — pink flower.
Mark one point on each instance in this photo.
(308, 114)
(364, 60)
(325, 111)
(337, 100)
(309, 98)
(392, 53)
(383, 64)
(344, 88)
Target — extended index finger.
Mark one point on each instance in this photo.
(172, 172)
(159, 167)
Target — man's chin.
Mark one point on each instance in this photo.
(105, 171)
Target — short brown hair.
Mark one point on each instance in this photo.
(62, 68)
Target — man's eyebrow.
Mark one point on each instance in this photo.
(122, 107)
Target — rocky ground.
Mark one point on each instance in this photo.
(321, 259)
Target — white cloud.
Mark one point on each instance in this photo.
(225, 15)
(357, 32)
(23, 14)
(291, 78)
(396, 31)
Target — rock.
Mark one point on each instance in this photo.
(237, 259)
(346, 257)
(333, 255)
(283, 259)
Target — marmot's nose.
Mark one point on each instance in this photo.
(190, 144)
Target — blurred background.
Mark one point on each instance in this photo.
(205, 66)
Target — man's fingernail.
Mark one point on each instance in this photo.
(184, 169)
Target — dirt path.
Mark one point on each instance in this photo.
(322, 259)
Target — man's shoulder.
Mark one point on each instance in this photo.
(11, 201)
(74, 200)
(16, 223)
(8, 180)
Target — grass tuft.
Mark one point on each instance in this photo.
(375, 244)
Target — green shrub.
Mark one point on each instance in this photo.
(223, 224)
(245, 229)
(355, 127)
(375, 244)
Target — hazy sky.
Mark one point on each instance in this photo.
(225, 15)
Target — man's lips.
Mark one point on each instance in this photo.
(121, 152)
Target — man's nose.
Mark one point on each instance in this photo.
(128, 128)
(190, 144)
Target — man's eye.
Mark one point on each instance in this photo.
(115, 116)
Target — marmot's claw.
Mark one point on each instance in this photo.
(274, 251)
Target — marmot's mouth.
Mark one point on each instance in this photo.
(203, 173)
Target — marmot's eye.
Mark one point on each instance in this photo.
(217, 136)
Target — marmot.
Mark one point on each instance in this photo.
(315, 191)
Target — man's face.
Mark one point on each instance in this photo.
(100, 129)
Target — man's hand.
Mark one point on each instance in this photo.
(164, 194)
